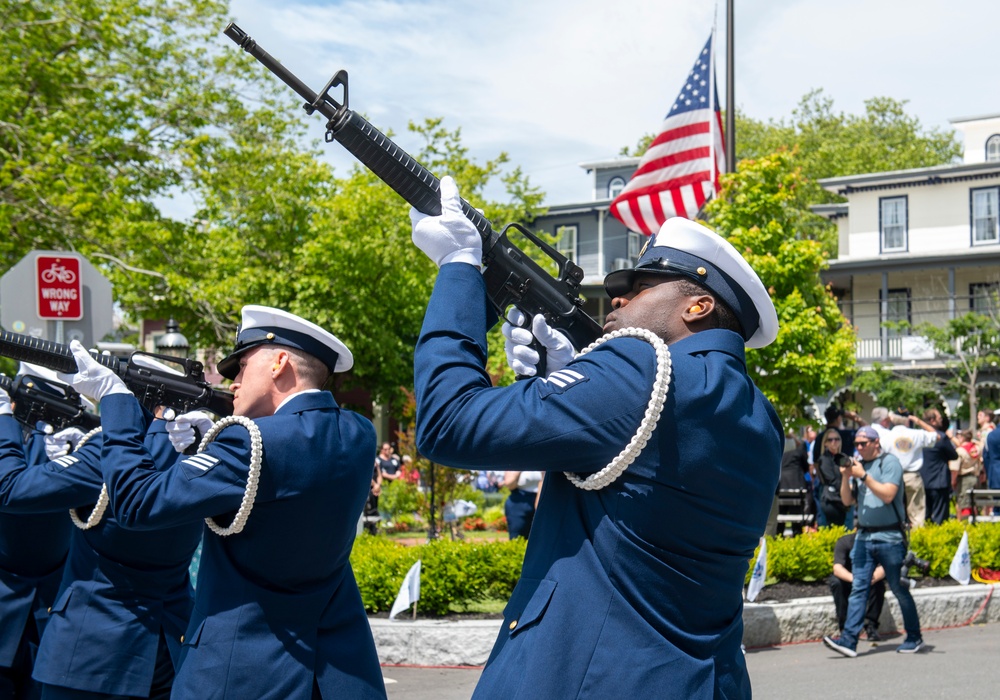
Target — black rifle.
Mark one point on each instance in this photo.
(183, 392)
(512, 278)
(38, 399)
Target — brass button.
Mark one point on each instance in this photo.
(513, 624)
(702, 271)
(50, 610)
(182, 639)
(270, 336)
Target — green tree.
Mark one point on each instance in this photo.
(764, 212)
(970, 344)
(895, 389)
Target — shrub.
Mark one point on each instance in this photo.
(809, 556)
(474, 523)
(400, 497)
(500, 525)
(453, 574)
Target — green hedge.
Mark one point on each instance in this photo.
(809, 556)
(454, 574)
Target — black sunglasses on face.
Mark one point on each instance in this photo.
(862, 443)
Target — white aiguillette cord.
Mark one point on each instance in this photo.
(102, 501)
(253, 476)
(661, 384)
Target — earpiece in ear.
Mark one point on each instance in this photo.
(695, 309)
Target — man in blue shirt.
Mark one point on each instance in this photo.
(880, 540)
(633, 576)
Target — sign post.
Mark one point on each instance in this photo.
(57, 296)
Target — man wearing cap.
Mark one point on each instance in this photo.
(277, 611)
(880, 540)
(633, 579)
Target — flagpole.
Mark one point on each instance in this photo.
(730, 93)
(711, 105)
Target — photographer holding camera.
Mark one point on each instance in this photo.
(880, 540)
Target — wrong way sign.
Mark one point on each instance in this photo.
(60, 287)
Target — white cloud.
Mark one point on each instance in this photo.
(560, 82)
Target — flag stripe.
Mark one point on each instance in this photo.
(675, 175)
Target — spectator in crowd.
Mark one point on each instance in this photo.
(828, 477)
(907, 444)
(934, 471)
(520, 504)
(986, 425)
(388, 463)
(408, 472)
(809, 436)
(991, 459)
(880, 541)
(842, 580)
(835, 419)
(966, 472)
(370, 514)
(794, 468)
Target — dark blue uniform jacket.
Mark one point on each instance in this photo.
(635, 590)
(32, 553)
(120, 589)
(277, 608)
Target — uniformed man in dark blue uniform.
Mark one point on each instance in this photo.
(32, 553)
(663, 458)
(278, 613)
(114, 629)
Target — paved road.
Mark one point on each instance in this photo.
(955, 663)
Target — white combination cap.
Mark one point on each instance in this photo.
(265, 325)
(685, 249)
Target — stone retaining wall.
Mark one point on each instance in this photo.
(468, 643)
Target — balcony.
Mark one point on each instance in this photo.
(878, 343)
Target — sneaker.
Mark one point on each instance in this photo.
(840, 646)
(872, 634)
(911, 646)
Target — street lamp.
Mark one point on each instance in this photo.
(173, 342)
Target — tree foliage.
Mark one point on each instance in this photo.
(109, 108)
(763, 210)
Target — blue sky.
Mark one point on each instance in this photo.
(556, 83)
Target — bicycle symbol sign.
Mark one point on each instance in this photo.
(60, 293)
(58, 273)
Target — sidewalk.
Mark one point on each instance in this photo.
(468, 643)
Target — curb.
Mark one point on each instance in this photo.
(468, 643)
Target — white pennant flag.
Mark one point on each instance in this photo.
(759, 572)
(961, 565)
(409, 592)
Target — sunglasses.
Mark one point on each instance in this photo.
(862, 443)
(831, 440)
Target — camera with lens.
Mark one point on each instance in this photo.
(911, 560)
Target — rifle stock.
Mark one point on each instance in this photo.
(512, 278)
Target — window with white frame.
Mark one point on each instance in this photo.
(615, 187)
(985, 222)
(983, 297)
(893, 224)
(993, 148)
(566, 240)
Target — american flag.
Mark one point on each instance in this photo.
(676, 175)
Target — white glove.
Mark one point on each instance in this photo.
(62, 443)
(522, 359)
(92, 378)
(181, 430)
(450, 237)
(5, 407)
